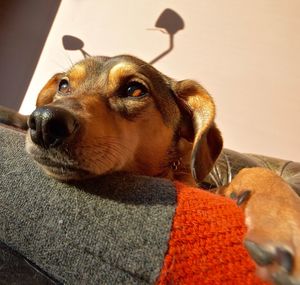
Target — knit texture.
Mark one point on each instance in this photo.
(206, 245)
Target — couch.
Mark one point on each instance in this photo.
(122, 229)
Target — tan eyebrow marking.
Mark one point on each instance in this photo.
(77, 74)
(119, 71)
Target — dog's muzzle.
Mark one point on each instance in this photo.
(50, 126)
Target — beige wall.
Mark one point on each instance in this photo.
(24, 28)
(246, 53)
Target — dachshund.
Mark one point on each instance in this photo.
(109, 114)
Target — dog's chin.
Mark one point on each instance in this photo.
(66, 174)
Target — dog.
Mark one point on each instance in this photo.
(109, 114)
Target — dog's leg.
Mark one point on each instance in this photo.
(272, 216)
(13, 118)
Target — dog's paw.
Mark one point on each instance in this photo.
(272, 216)
(274, 263)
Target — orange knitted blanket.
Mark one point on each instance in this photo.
(206, 242)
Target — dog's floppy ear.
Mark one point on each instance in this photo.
(49, 90)
(197, 125)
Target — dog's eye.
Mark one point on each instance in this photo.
(63, 86)
(135, 89)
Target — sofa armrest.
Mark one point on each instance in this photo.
(116, 229)
(111, 230)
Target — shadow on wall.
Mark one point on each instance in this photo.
(24, 27)
(73, 43)
(169, 22)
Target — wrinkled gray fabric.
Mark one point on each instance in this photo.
(113, 230)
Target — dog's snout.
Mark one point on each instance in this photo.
(50, 126)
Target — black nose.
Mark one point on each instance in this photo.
(50, 126)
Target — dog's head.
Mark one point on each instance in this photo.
(121, 114)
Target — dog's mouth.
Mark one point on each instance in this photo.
(62, 170)
(57, 165)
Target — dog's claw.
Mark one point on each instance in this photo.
(282, 278)
(260, 256)
(233, 196)
(285, 259)
(281, 256)
(243, 197)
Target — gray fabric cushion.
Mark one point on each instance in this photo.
(112, 230)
